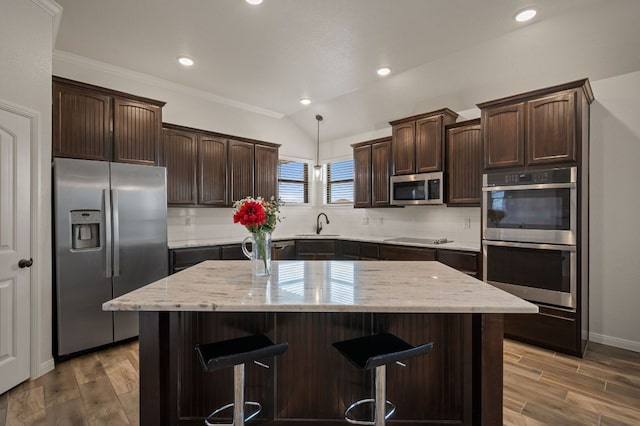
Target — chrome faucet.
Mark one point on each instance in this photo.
(319, 224)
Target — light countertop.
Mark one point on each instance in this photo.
(455, 245)
(322, 286)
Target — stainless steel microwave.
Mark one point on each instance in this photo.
(422, 188)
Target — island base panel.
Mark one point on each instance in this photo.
(459, 382)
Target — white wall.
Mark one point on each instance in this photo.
(26, 31)
(615, 203)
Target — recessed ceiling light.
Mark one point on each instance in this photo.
(384, 71)
(185, 60)
(525, 15)
(305, 101)
(254, 2)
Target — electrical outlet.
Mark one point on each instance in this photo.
(188, 221)
(467, 223)
(365, 220)
(380, 220)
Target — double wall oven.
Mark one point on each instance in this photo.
(529, 223)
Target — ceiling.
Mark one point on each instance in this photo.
(443, 53)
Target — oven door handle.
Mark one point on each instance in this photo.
(570, 185)
(571, 248)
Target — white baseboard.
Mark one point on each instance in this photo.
(45, 367)
(615, 341)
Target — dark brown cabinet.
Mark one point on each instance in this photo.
(362, 176)
(503, 128)
(241, 169)
(94, 123)
(372, 165)
(417, 142)
(180, 259)
(212, 170)
(464, 163)
(180, 155)
(196, 167)
(315, 249)
(393, 252)
(535, 128)
(266, 172)
(551, 135)
(464, 261)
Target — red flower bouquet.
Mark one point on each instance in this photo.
(259, 217)
(257, 214)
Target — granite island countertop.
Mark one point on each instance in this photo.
(322, 286)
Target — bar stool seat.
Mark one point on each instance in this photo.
(236, 353)
(375, 352)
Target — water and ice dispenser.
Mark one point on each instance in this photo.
(85, 229)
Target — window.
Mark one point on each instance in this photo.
(340, 182)
(293, 181)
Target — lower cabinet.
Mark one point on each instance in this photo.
(316, 249)
(283, 250)
(180, 259)
(464, 261)
(393, 252)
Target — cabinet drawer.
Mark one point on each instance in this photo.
(191, 256)
(316, 247)
(350, 250)
(391, 252)
(233, 252)
(283, 250)
(369, 251)
(463, 261)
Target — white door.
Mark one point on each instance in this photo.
(15, 244)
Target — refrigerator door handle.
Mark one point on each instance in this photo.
(116, 234)
(107, 233)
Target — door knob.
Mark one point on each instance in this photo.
(24, 263)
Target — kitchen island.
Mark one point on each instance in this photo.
(311, 304)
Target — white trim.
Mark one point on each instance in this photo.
(55, 10)
(76, 60)
(35, 218)
(45, 367)
(614, 341)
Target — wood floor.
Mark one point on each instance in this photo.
(540, 388)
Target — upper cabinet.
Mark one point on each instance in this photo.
(180, 156)
(464, 163)
(372, 168)
(536, 128)
(266, 171)
(241, 172)
(94, 123)
(417, 142)
(209, 169)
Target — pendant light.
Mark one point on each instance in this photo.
(317, 169)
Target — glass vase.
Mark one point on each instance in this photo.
(260, 254)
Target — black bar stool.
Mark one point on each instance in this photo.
(377, 351)
(236, 353)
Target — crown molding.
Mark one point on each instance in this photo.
(53, 9)
(73, 59)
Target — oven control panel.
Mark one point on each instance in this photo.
(565, 175)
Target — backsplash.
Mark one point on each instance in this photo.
(460, 224)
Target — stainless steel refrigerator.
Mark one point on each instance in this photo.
(110, 238)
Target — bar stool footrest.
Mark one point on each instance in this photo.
(208, 421)
(348, 418)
